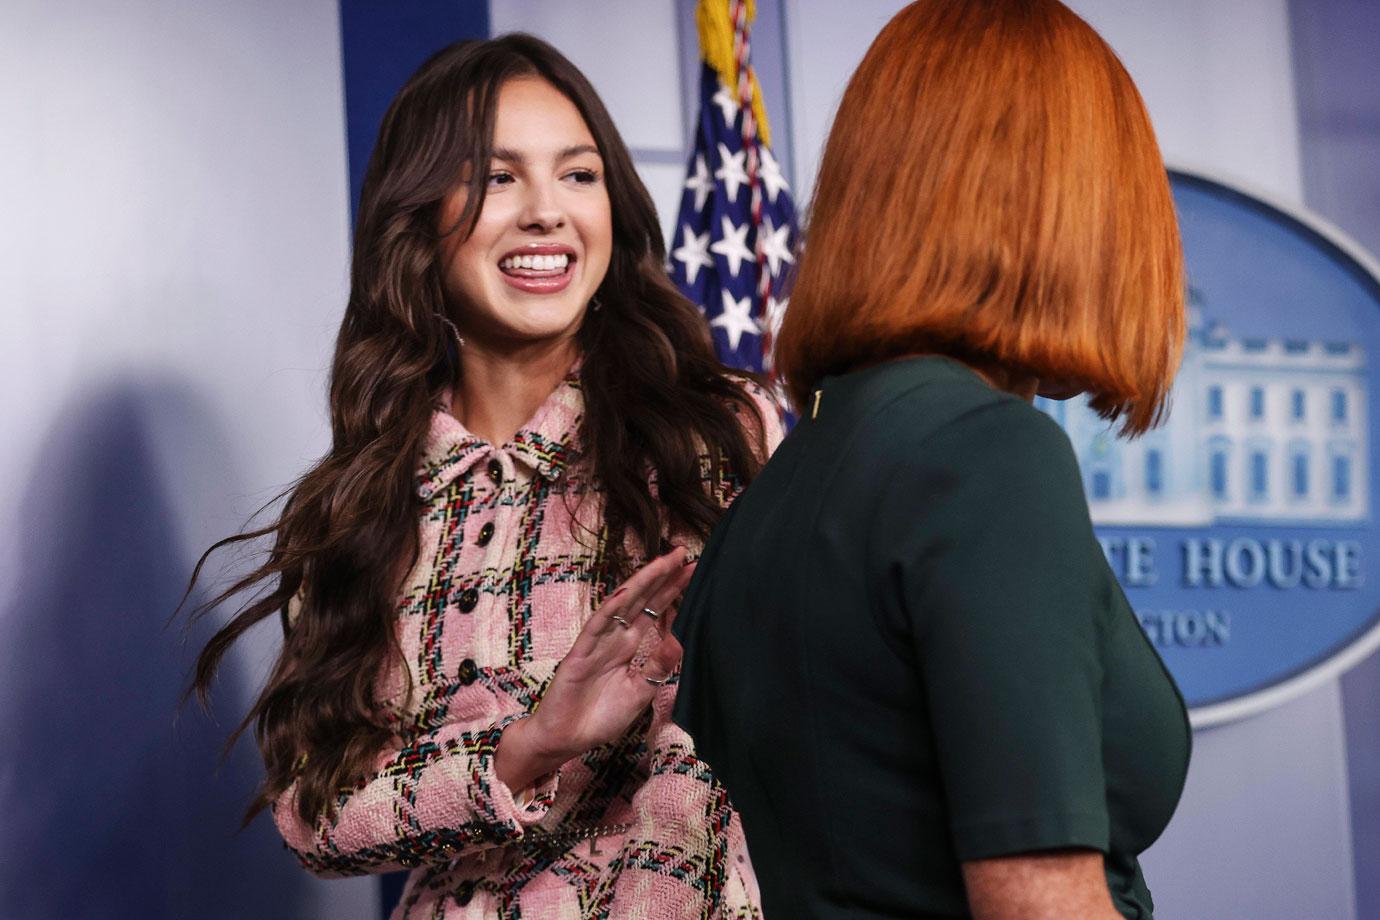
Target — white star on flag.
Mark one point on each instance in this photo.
(733, 172)
(774, 246)
(729, 252)
(733, 247)
(727, 104)
(776, 312)
(771, 175)
(736, 319)
(700, 183)
(693, 252)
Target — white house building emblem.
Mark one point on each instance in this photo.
(1242, 528)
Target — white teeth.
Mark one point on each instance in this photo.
(537, 263)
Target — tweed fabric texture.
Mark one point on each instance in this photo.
(511, 565)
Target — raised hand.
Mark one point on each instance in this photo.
(601, 685)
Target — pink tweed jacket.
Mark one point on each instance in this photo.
(511, 566)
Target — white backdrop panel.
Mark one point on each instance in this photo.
(627, 48)
(173, 261)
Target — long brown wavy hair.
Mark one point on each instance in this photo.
(655, 400)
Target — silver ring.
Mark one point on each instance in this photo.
(651, 613)
(621, 622)
(657, 681)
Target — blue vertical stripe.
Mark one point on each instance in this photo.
(1335, 45)
(382, 42)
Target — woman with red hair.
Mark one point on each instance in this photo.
(904, 650)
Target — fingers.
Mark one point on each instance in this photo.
(663, 600)
(634, 594)
(664, 659)
(651, 609)
(620, 600)
(668, 620)
(635, 604)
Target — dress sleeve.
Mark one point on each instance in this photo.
(435, 800)
(1004, 596)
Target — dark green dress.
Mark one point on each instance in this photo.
(904, 649)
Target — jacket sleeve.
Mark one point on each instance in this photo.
(436, 799)
(772, 430)
(685, 853)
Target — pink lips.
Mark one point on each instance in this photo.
(539, 281)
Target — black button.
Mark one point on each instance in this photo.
(469, 672)
(486, 533)
(468, 599)
(495, 471)
(463, 893)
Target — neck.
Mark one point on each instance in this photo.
(1022, 386)
(500, 390)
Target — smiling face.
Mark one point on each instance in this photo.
(542, 243)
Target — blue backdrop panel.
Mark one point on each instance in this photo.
(382, 43)
(1335, 46)
(1242, 530)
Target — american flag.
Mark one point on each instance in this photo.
(736, 231)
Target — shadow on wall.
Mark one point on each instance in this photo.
(114, 803)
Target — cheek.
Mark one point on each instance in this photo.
(456, 261)
(599, 231)
(462, 276)
(471, 256)
(468, 260)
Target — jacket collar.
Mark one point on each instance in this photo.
(547, 443)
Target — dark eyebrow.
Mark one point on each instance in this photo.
(512, 156)
(576, 150)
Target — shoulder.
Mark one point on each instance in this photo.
(928, 409)
(1004, 461)
(764, 426)
(969, 447)
(1003, 426)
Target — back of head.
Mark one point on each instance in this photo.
(991, 189)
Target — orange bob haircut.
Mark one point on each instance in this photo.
(992, 190)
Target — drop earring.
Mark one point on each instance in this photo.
(459, 339)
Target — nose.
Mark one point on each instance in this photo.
(542, 211)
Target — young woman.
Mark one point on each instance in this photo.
(904, 651)
(524, 413)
